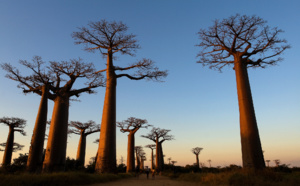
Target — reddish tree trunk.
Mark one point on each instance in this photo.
(55, 157)
(9, 147)
(130, 153)
(81, 149)
(35, 156)
(251, 147)
(106, 161)
(152, 159)
(197, 160)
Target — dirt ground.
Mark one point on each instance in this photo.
(143, 181)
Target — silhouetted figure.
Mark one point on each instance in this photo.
(147, 172)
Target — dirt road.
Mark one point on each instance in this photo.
(143, 181)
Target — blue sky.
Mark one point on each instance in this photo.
(199, 105)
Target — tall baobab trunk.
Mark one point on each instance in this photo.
(161, 156)
(138, 162)
(81, 149)
(130, 153)
(35, 156)
(142, 164)
(157, 158)
(9, 147)
(197, 160)
(251, 147)
(106, 161)
(55, 157)
(152, 160)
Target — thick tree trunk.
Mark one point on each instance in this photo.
(81, 149)
(35, 156)
(142, 164)
(161, 156)
(251, 147)
(157, 158)
(8, 148)
(130, 153)
(106, 162)
(152, 160)
(197, 160)
(138, 162)
(55, 157)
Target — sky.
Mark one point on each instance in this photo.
(197, 104)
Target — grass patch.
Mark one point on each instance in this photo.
(58, 179)
(240, 177)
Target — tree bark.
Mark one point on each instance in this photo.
(152, 160)
(35, 156)
(138, 162)
(157, 167)
(81, 149)
(106, 162)
(9, 147)
(55, 157)
(251, 147)
(130, 153)
(197, 160)
(161, 156)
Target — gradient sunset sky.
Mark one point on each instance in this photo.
(197, 104)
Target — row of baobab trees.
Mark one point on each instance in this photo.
(131, 125)
(242, 41)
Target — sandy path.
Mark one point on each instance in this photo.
(142, 180)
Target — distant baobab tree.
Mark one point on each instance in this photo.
(209, 161)
(16, 147)
(83, 129)
(173, 162)
(158, 136)
(15, 125)
(244, 42)
(110, 38)
(67, 72)
(131, 125)
(152, 147)
(143, 158)
(37, 83)
(277, 162)
(268, 161)
(169, 159)
(197, 151)
(138, 149)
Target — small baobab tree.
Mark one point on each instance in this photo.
(67, 72)
(152, 147)
(169, 159)
(173, 162)
(197, 151)
(244, 42)
(138, 149)
(158, 136)
(131, 125)
(15, 125)
(209, 161)
(16, 147)
(111, 38)
(83, 129)
(277, 162)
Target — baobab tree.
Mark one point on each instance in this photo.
(209, 161)
(37, 83)
(277, 162)
(15, 125)
(131, 125)
(68, 72)
(110, 38)
(138, 149)
(169, 159)
(83, 129)
(16, 147)
(152, 147)
(158, 136)
(197, 151)
(244, 42)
